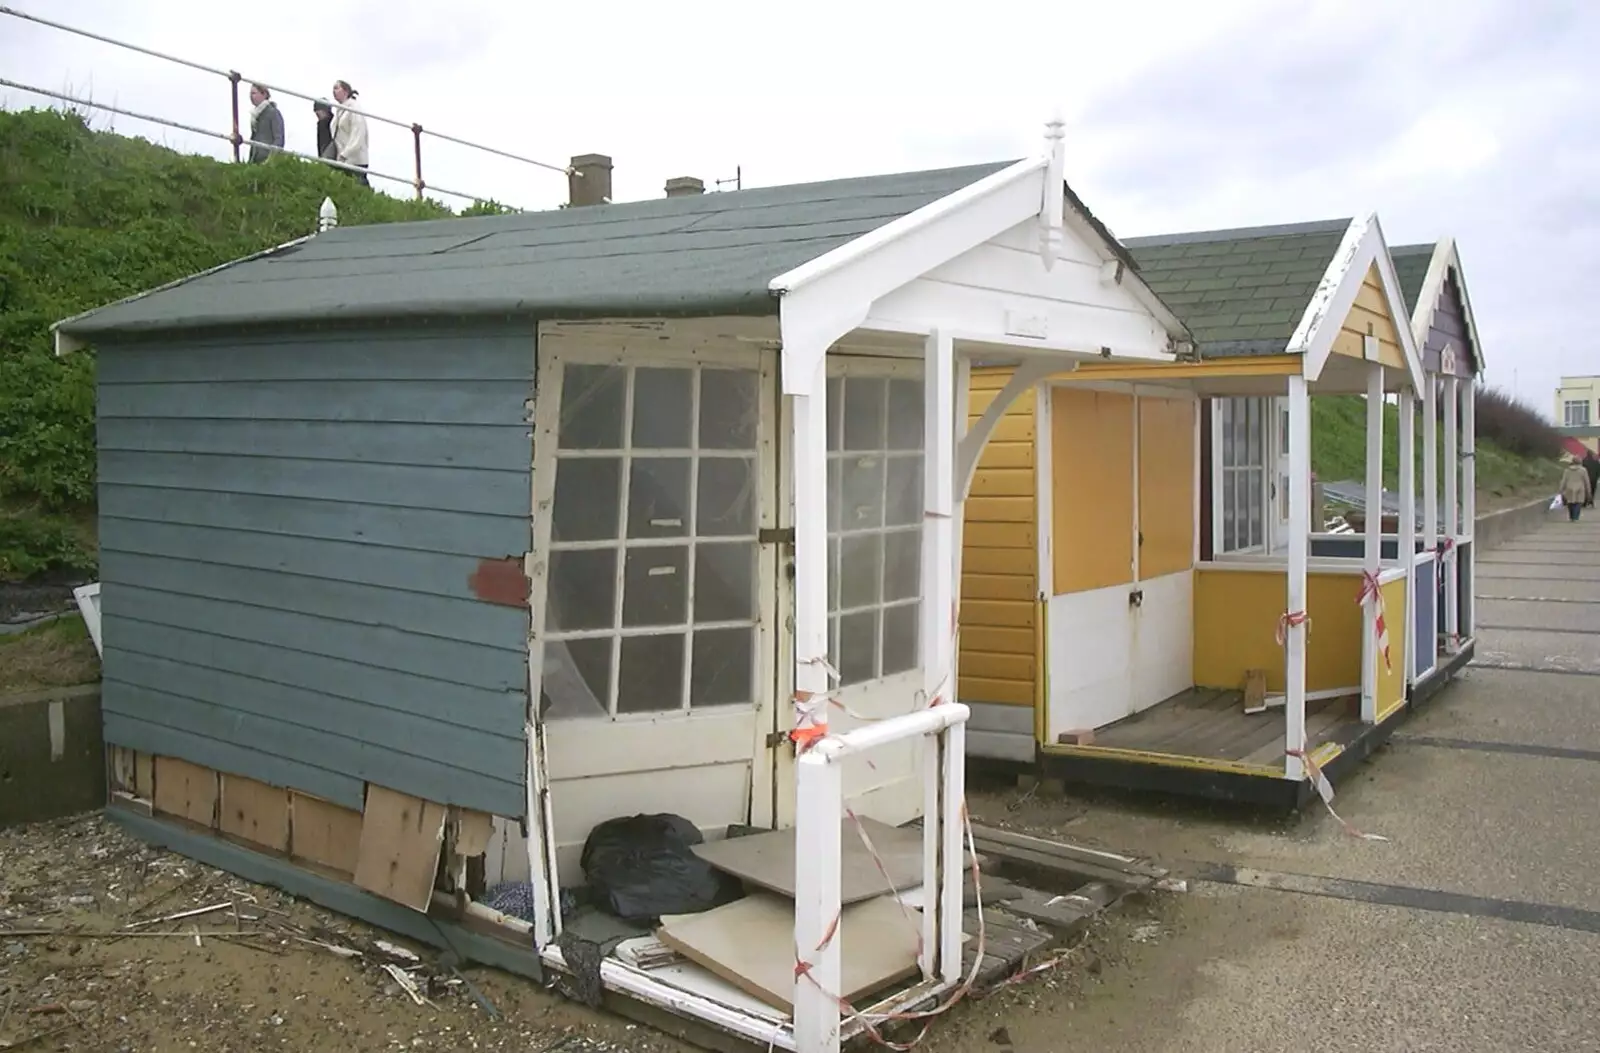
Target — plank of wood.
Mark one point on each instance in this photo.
(473, 831)
(767, 860)
(750, 944)
(255, 812)
(1053, 865)
(401, 838)
(324, 833)
(186, 790)
(1133, 867)
(1067, 914)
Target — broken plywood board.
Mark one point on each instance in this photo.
(767, 860)
(255, 812)
(750, 943)
(186, 790)
(401, 838)
(324, 833)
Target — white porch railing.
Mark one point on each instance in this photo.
(818, 1005)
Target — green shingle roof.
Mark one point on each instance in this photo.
(1243, 291)
(1411, 267)
(712, 253)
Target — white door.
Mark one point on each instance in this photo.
(875, 499)
(653, 594)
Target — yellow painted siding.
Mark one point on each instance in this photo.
(1236, 621)
(1166, 486)
(1092, 499)
(1392, 680)
(1370, 314)
(999, 555)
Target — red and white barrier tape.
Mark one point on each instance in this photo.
(1373, 593)
(1325, 791)
(1289, 619)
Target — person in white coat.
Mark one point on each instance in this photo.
(349, 131)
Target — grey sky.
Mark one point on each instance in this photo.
(1470, 118)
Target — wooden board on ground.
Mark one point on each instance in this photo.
(750, 943)
(767, 860)
(324, 833)
(186, 790)
(401, 838)
(255, 812)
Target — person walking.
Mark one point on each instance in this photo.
(349, 131)
(1591, 464)
(1575, 489)
(324, 111)
(266, 124)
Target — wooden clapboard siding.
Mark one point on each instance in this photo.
(1092, 499)
(290, 527)
(999, 555)
(1370, 314)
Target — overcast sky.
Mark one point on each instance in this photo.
(1469, 118)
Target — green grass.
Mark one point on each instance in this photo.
(88, 217)
(57, 654)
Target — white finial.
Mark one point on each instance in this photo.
(1055, 178)
(327, 215)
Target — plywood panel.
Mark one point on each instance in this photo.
(324, 833)
(1092, 502)
(1166, 486)
(1235, 628)
(186, 790)
(255, 812)
(401, 838)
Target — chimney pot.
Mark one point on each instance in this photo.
(685, 186)
(589, 182)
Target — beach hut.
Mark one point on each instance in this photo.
(428, 549)
(1146, 601)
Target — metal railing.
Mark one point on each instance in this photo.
(236, 138)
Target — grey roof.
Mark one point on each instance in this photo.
(1411, 267)
(1241, 291)
(712, 253)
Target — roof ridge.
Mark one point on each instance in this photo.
(1321, 226)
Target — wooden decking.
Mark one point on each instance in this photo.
(1211, 724)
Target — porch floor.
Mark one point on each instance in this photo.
(1211, 724)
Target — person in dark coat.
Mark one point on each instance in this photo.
(1591, 464)
(324, 111)
(266, 124)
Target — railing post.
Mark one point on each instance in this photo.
(819, 808)
(416, 148)
(233, 90)
(952, 743)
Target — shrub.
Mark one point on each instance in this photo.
(1514, 426)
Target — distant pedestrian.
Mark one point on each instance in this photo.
(1591, 464)
(349, 131)
(266, 124)
(324, 111)
(1575, 489)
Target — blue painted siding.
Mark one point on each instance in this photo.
(288, 529)
(1422, 620)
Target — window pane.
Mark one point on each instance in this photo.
(900, 638)
(723, 672)
(861, 498)
(727, 500)
(655, 590)
(864, 412)
(728, 409)
(1230, 511)
(835, 494)
(905, 415)
(1257, 499)
(1225, 426)
(1255, 433)
(833, 575)
(662, 399)
(725, 582)
(577, 679)
(582, 590)
(860, 570)
(658, 497)
(903, 497)
(858, 647)
(835, 410)
(591, 407)
(588, 499)
(902, 565)
(650, 677)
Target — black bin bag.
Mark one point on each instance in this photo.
(640, 867)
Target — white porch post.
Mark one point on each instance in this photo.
(1406, 543)
(818, 793)
(1372, 554)
(1469, 501)
(1294, 618)
(938, 523)
(1452, 519)
(1430, 464)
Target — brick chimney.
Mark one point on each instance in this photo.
(685, 186)
(589, 182)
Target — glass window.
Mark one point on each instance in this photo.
(1242, 486)
(651, 600)
(1575, 414)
